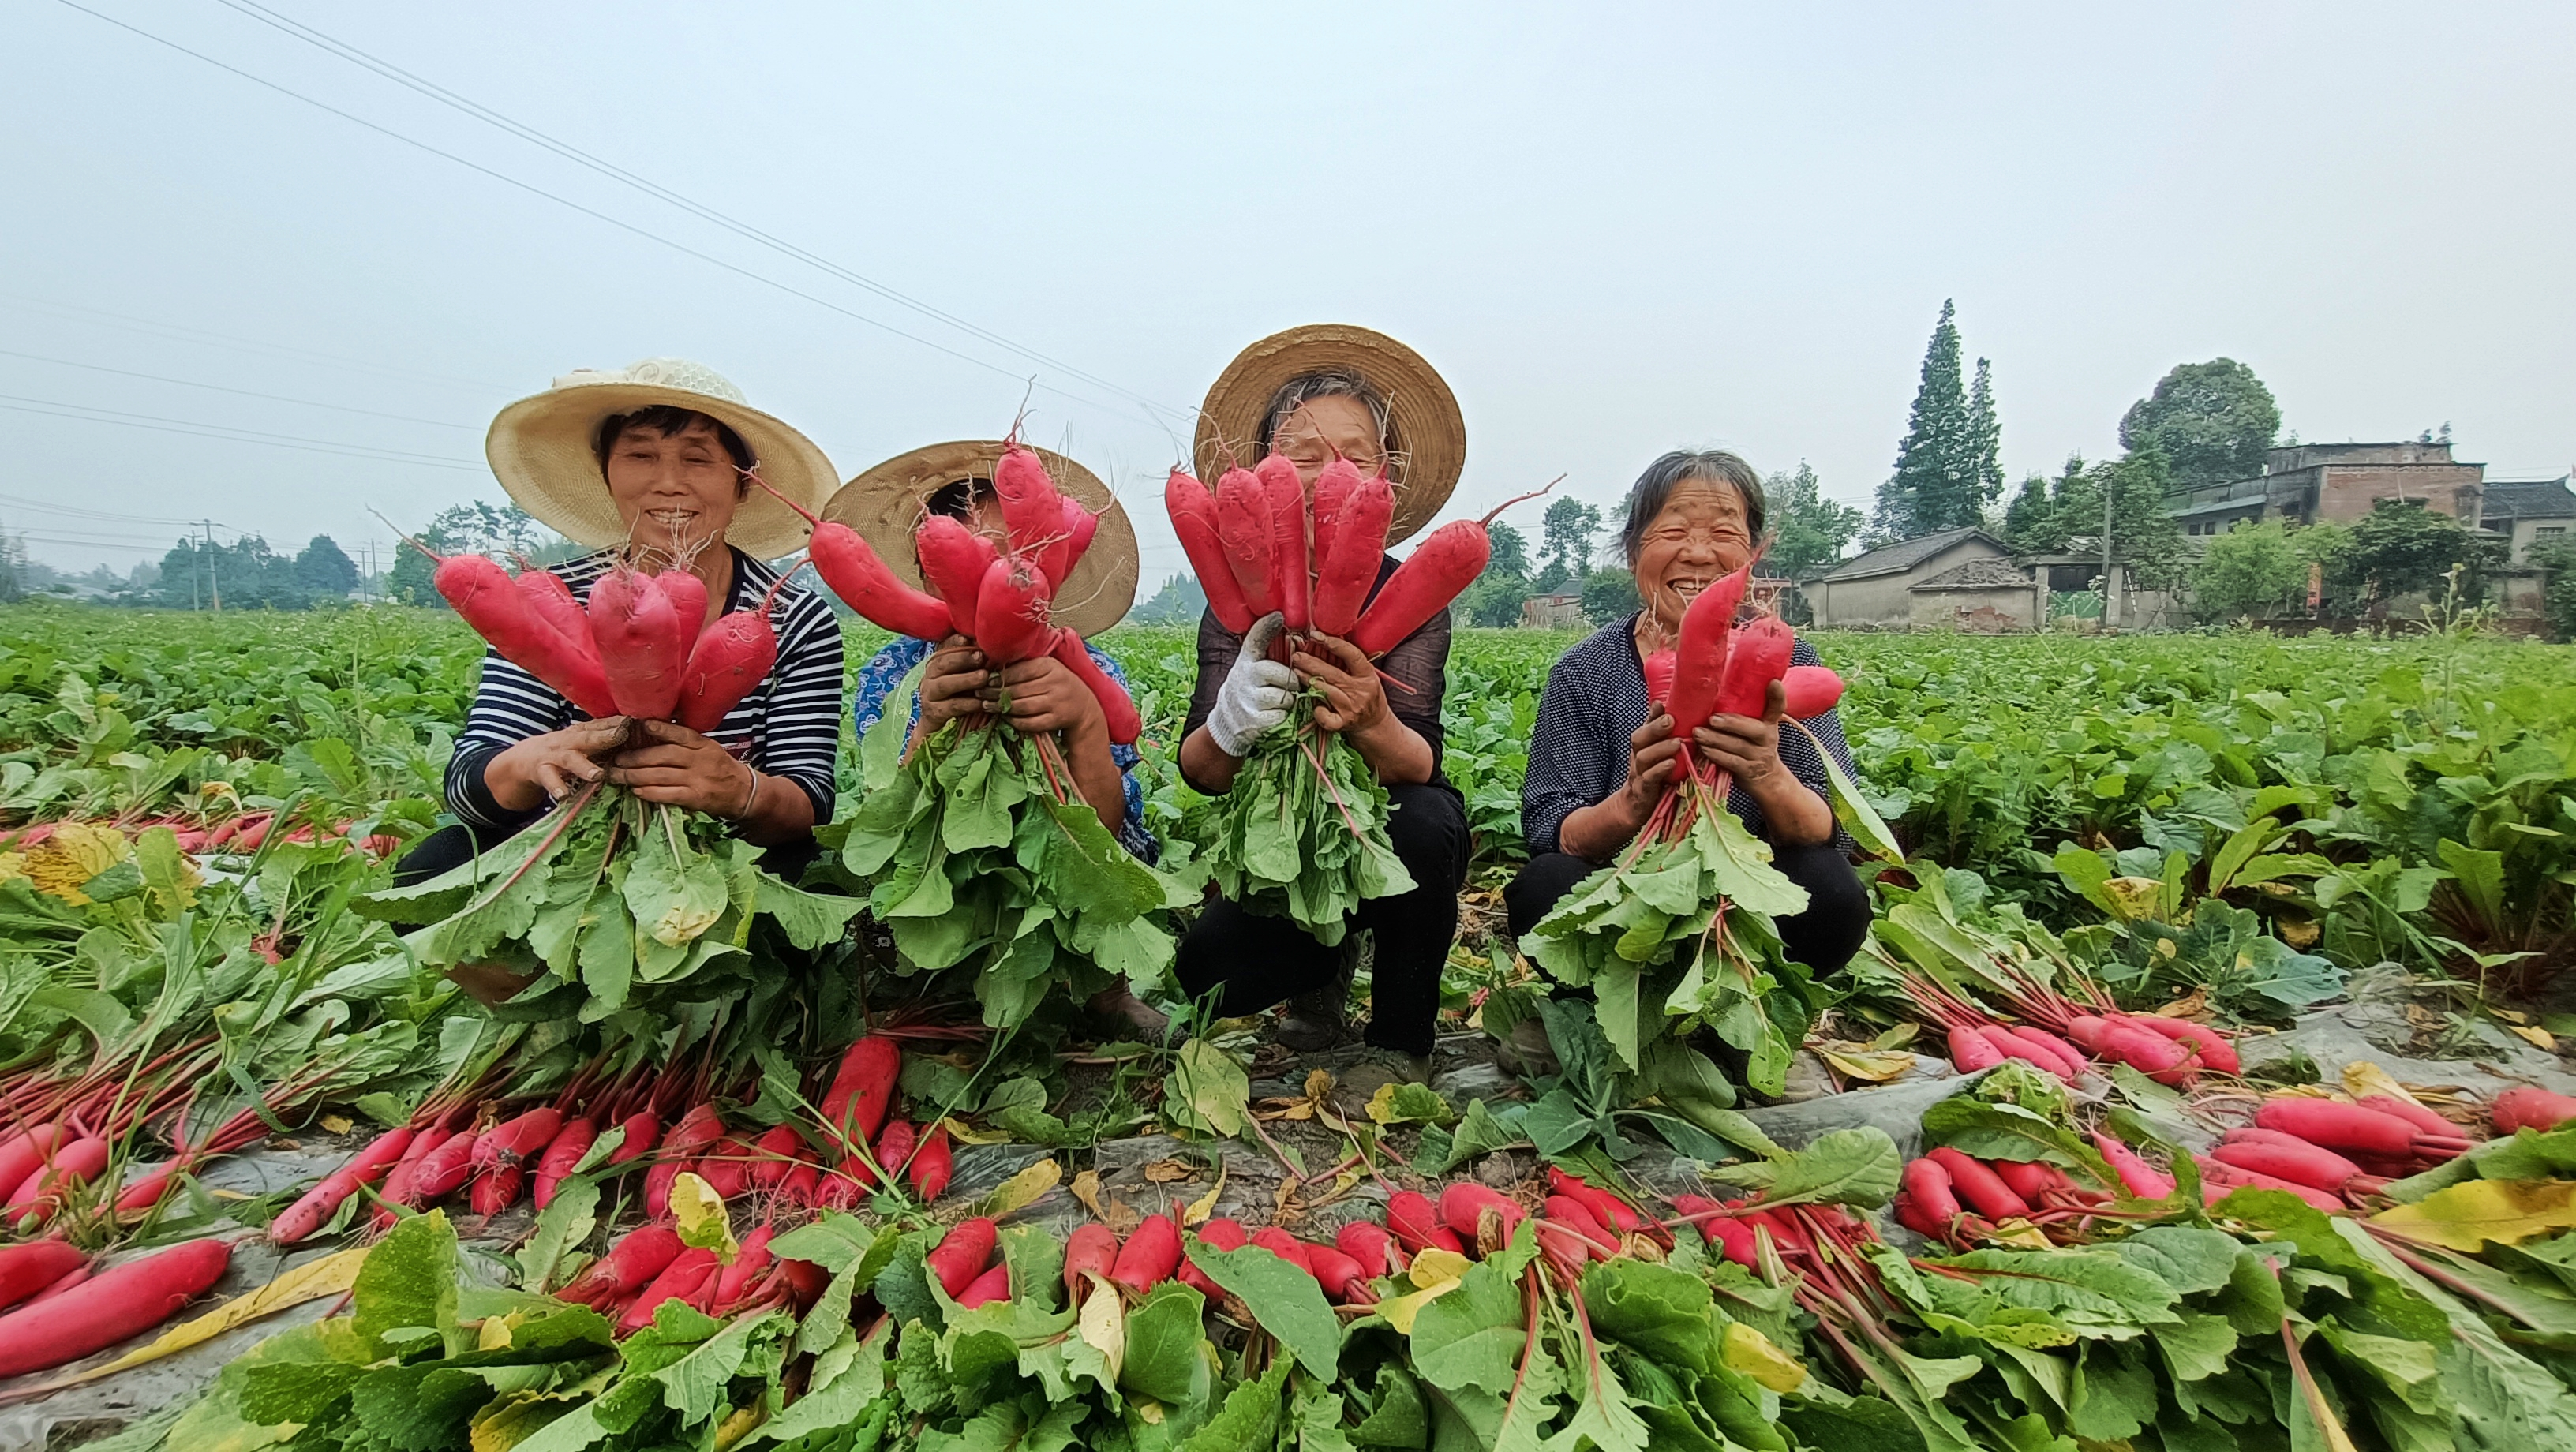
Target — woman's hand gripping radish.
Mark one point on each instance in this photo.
(673, 765)
(1747, 748)
(1256, 695)
(1355, 705)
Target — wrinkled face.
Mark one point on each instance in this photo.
(673, 491)
(1699, 536)
(1325, 428)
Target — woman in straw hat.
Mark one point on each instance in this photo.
(1312, 394)
(1600, 757)
(653, 464)
(885, 505)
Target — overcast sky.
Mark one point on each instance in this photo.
(1615, 229)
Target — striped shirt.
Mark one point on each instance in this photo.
(789, 726)
(1594, 702)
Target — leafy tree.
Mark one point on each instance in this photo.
(1610, 594)
(1496, 596)
(503, 531)
(1566, 533)
(2212, 421)
(1179, 602)
(2254, 570)
(1807, 529)
(1510, 550)
(1937, 484)
(2142, 533)
(325, 570)
(409, 580)
(1985, 436)
(2558, 597)
(2400, 548)
(2047, 515)
(243, 575)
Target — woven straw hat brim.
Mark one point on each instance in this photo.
(543, 450)
(884, 504)
(1430, 435)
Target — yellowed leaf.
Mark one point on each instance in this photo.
(1086, 1188)
(1434, 1266)
(2133, 897)
(2362, 1078)
(1399, 1311)
(1755, 1355)
(515, 1418)
(493, 1334)
(965, 1133)
(741, 1424)
(1103, 1325)
(1871, 1066)
(2509, 1015)
(2299, 932)
(1021, 1190)
(12, 864)
(337, 1123)
(75, 853)
(699, 1214)
(2021, 1233)
(1148, 1411)
(2537, 1037)
(329, 1276)
(1168, 1172)
(1198, 1210)
(1319, 1085)
(2469, 1214)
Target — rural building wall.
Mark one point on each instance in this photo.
(1885, 602)
(1995, 611)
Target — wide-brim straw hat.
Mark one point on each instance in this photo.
(545, 451)
(884, 505)
(1428, 434)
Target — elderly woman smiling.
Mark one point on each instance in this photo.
(1599, 758)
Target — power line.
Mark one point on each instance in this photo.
(621, 225)
(205, 337)
(242, 392)
(487, 115)
(155, 422)
(109, 516)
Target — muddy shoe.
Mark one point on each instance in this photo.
(1377, 1068)
(1527, 1053)
(1313, 1022)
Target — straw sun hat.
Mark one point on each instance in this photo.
(1428, 436)
(544, 450)
(884, 505)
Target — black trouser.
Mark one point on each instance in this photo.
(452, 847)
(1823, 937)
(1259, 961)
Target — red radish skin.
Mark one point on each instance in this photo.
(27, 1269)
(76, 1278)
(846, 1187)
(1285, 1246)
(643, 1134)
(2285, 1157)
(2031, 1179)
(1370, 1245)
(1011, 613)
(639, 642)
(962, 1254)
(1333, 488)
(1446, 562)
(517, 1141)
(1758, 656)
(1701, 651)
(443, 1170)
(862, 1092)
(1066, 551)
(2215, 1050)
(1611, 1211)
(1462, 1208)
(894, 1148)
(1116, 709)
(1222, 1234)
(109, 1307)
(552, 602)
(1928, 1182)
(1571, 1213)
(2042, 1050)
(562, 1152)
(805, 1281)
(1346, 568)
(1659, 669)
(2073, 1057)
(729, 661)
(869, 586)
(727, 1170)
(1415, 1223)
(1284, 506)
(2221, 1173)
(2336, 1126)
(697, 1132)
(688, 1277)
(954, 559)
(74, 1165)
(396, 1189)
(1343, 1278)
(750, 1259)
(2150, 1053)
(1092, 1250)
(1971, 1051)
(495, 1190)
(802, 1184)
(2005, 1043)
(1243, 529)
(628, 1267)
(932, 1165)
(1032, 507)
(2415, 1114)
(2141, 1179)
(1193, 513)
(484, 595)
(1809, 691)
(993, 1285)
(307, 1215)
(2530, 1107)
(688, 596)
(1979, 1185)
(1150, 1257)
(775, 1154)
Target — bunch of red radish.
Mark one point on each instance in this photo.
(2528, 1107)
(1977, 1040)
(466, 1143)
(1258, 544)
(2171, 1051)
(649, 1267)
(2331, 1153)
(1718, 668)
(1951, 1195)
(61, 1308)
(999, 596)
(243, 833)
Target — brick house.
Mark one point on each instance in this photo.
(2339, 483)
(2529, 513)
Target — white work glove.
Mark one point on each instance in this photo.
(1257, 692)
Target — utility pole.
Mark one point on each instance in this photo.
(2109, 590)
(214, 577)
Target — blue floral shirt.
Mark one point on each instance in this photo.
(887, 668)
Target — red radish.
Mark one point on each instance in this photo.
(2032, 1179)
(778, 1151)
(503, 615)
(2005, 1043)
(2285, 1157)
(750, 1259)
(1193, 514)
(862, 1091)
(1928, 1182)
(629, 1266)
(932, 1164)
(517, 1141)
(1733, 1239)
(894, 1147)
(1151, 1255)
(695, 1134)
(1285, 500)
(442, 1170)
(1115, 706)
(729, 661)
(1243, 527)
(1368, 1243)
(2215, 1051)
(640, 644)
(1980, 1185)
(1031, 505)
(1061, 554)
(1333, 488)
(805, 1282)
(1706, 626)
(2043, 1049)
(109, 1307)
(727, 1170)
(1971, 1051)
(2140, 1178)
(2530, 1107)
(1344, 1279)
(1416, 1224)
(1464, 1206)
(76, 1278)
(846, 1187)
(1011, 613)
(963, 1253)
(1447, 561)
(2159, 1058)
(1347, 559)
(1659, 669)
(993, 1285)
(1785, 1232)
(28, 1268)
(1221, 1233)
(643, 1132)
(368, 1165)
(555, 1165)
(25, 1153)
(869, 586)
(688, 596)
(1758, 656)
(2413, 1113)
(954, 560)
(1809, 691)
(1611, 1211)
(1092, 1250)
(495, 1189)
(2219, 1172)
(552, 602)
(1285, 1246)
(73, 1166)
(2356, 1128)
(802, 1183)
(1569, 1212)
(2077, 1064)
(688, 1277)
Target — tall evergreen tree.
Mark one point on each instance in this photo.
(1935, 483)
(1986, 437)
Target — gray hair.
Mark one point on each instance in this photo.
(1646, 498)
(1331, 383)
